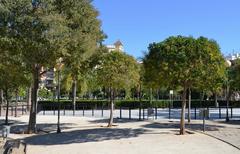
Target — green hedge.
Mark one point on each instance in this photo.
(89, 104)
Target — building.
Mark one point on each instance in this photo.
(116, 46)
(231, 57)
(47, 79)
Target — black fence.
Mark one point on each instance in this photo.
(134, 112)
(14, 110)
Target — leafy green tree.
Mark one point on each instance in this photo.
(83, 36)
(10, 81)
(184, 62)
(34, 31)
(232, 82)
(117, 71)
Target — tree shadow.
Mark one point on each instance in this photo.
(115, 120)
(46, 128)
(83, 136)
(176, 125)
(10, 122)
(231, 122)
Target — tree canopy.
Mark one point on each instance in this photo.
(184, 62)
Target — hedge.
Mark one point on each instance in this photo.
(90, 104)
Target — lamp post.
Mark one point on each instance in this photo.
(227, 115)
(59, 65)
(228, 91)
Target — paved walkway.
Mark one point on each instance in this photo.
(229, 132)
(90, 136)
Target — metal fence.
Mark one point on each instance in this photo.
(136, 113)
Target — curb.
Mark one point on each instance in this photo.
(218, 139)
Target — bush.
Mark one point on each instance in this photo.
(98, 104)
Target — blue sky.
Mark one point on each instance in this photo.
(140, 22)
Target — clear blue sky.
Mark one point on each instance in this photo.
(140, 22)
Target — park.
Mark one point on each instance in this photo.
(65, 89)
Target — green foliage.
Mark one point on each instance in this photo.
(185, 62)
(83, 33)
(44, 93)
(118, 71)
(233, 74)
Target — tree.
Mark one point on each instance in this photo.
(184, 62)
(83, 37)
(33, 31)
(232, 82)
(117, 71)
(11, 80)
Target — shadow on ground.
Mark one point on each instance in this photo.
(231, 122)
(115, 120)
(82, 136)
(176, 125)
(49, 127)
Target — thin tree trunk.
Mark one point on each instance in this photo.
(110, 123)
(16, 103)
(33, 111)
(29, 96)
(151, 96)
(1, 96)
(74, 95)
(201, 98)
(189, 105)
(182, 122)
(215, 99)
(228, 99)
(6, 117)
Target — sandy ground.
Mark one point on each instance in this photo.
(90, 136)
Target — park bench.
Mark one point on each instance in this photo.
(15, 147)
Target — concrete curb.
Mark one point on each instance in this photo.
(217, 138)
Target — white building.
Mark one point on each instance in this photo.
(231, 57)
(116, 46)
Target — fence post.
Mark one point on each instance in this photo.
(44, 110)
(155, 112)
(15, 111)
(92, 111)
(0, 110)
(169, 111)
(208, 112)
(12, 110)
(120, 112)
(143, 114)
(129, 112)
(102, 110)
(139, 114)
(220, 113)
(64, 109)
(231, 112)
(83, 111)
(195, 112)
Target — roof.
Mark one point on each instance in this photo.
(118, 43)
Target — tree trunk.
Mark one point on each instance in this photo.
(201, 98)
(110, 123)
(6, 117)
(228, 99)
(182, 122)
(151, 96)
(16, 103)
(189, 105)
(215, 99)
(33, 111)
(1, 97)
(74, 95)
(29, 93)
